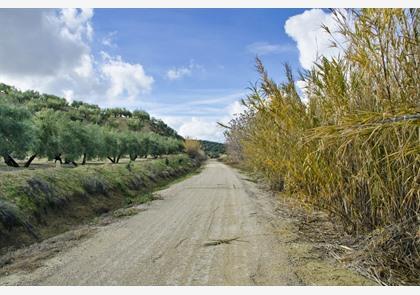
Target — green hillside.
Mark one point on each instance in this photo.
(43, 125)
(212, 149)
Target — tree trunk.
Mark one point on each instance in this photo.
(133, 157)
(10, 161)
(118, 159)
(84, 159)
(30, 160)
(113, 161)
(58, 158)
(70, 162)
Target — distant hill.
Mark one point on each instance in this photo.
(212, 149)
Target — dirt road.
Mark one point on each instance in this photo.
(214, 228)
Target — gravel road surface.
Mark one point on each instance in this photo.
(215, 228)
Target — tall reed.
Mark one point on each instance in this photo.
(354, 148)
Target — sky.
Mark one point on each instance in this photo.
(188, 67)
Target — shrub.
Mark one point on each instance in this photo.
(193, 149)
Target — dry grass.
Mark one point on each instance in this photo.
(193, 149)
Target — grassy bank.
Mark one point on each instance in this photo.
(37, 204)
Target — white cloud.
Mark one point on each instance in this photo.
(312, 40)
(180, 72)
(204, 126)
(125, 79)
(201, 128)
(68, 94)
(85, 69)
(50, 51)
(108, 40)
(263, 48)
(39, 42)
(235, 108)
(301, 88)
(78, 22)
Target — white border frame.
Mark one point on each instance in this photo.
(209, 3)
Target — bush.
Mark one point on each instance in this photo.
(193, 149)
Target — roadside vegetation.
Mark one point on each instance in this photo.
(349, 143)
(194, 149)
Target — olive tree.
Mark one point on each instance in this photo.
(137, 145)
(71, 140)
(115, 145)
(91, 139)
(16, 133)
(157, 145)
(47, 140)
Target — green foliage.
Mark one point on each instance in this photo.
(156, 145)
(47, 142)
(92, 141)
(159, 127)
(137, 145)
(212, 149)
(16, 130)
(111, 147)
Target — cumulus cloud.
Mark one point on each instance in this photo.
(312, 40)
(77, 22)
(41, 42)
(264, 48)
(125, 79)
(177, 73)
(201, 128)
(50, 51)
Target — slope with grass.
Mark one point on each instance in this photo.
(36, 204)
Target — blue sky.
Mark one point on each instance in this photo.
(217, 47)
(216, 39)
(189, 67)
